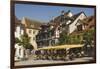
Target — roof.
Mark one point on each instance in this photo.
(74, 17)
(89, 22)
(18, 22)
(58, 18)
(32, 23)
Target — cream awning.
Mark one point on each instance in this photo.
(61, 47)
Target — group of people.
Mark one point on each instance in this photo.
(58, 54)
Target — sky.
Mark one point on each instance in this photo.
(45, 13)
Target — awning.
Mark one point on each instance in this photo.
(61, 47)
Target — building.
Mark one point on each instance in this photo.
(31, 28)
(19, 30)
(67, 22)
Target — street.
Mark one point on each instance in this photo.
(38, 62)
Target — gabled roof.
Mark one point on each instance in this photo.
(89, 22)
(58, 18)
(32, 23)
(74, 17)
(18, 22)
(78, 14)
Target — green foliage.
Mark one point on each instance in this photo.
(29, 46)
(89, 39)
(17, 40)
(75, 39)
(69, 39)
(64, 38)
(88, 36)
(24, 41)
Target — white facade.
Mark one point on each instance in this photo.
(21, 28)
(73, 25)
(32, 34)
(19, 50)
(31, 31)
(19, 31)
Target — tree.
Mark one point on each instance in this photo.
(64, 38)
(75, 39)
(89, 38)
(70, 39)
(24, 41)
(17, 40)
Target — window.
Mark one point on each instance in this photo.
(19, 51)
(90, 19)
(79, 27)
(33, 32)
(30, 31)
